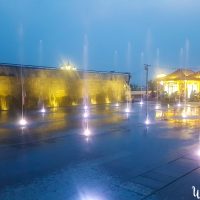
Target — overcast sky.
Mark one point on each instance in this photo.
(121, 35)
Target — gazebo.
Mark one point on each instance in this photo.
(183, 82)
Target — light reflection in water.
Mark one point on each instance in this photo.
(189, 115)
(198, 151)
(147, 121)
(59, 122)
(23, 122)
(91, 196)
(43, 110)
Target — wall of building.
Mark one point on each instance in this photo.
(58, 88)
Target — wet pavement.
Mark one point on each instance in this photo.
(121, 159)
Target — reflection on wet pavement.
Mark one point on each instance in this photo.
(122, 157)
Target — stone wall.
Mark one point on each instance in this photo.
(58, 88)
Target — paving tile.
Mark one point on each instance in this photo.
(180, 189)
(137, 188)
(159, 177)
(148, 182)
(178, 168)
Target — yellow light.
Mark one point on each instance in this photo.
(107, 100)
(74, 103)
(161, 75)
(68, 67)
(93, 101)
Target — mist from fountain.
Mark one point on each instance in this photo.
(22, 121)
(128, 91)
(148, 58)
(187, 47)
(86, 113)
(141, 77)
(85, 68)
(41, 99)
(157, 69)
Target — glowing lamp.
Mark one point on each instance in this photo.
(85, 114)
(87, 132)
(184, 115)
(157, 106)
(179, 105)
(147, 121)
(117, 104)
(127, 110)
(43, 110)
(22, 122)
(198, 153)
(161, 75)
(141, 102)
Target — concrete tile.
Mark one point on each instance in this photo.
(181, 189)
(178, 168)
(159, 177)
(148, 182)
(137, 188)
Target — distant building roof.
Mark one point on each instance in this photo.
(180, 74)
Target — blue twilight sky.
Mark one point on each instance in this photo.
(120, 34)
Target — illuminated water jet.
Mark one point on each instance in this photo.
(43, 110)
(179, 104)
(157, 106)
(117, 104)
(22, 122)
(184, 115)
(87, 132)
(127, 110)
(147, 121)
(85, 107)
(198, 153)
(141, 102)
(86, 114)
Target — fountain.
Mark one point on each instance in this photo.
(147, 121)
(43, 110)
(198, 151)
(141, 78)
(146, 67)
(128, 90)
(117, 105)
(157, 66)
(22, 121)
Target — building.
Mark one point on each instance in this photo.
(59, 87)
(182, 82)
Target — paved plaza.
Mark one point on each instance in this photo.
(121, 159)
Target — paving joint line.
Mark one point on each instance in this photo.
(154, 192)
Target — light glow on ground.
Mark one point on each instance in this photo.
(22, 122)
